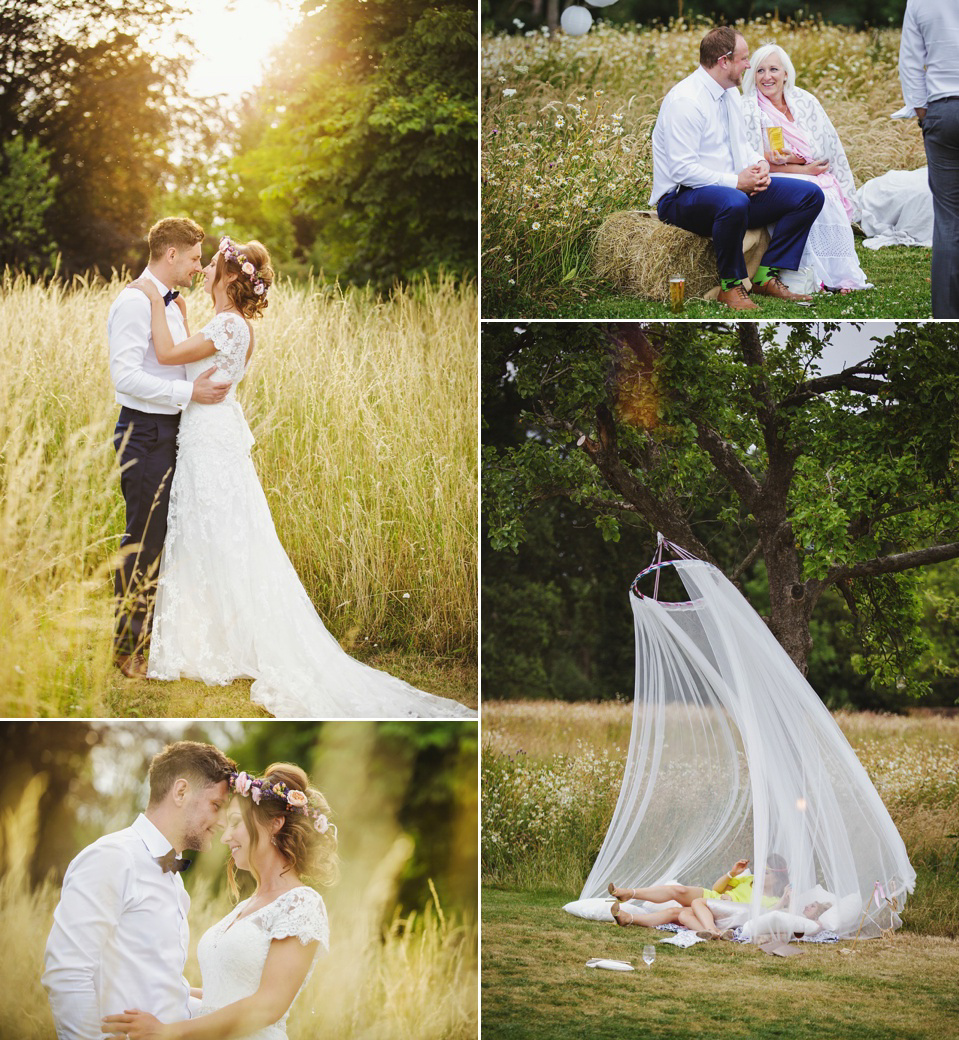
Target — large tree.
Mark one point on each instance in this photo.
(79, 79)
(845, 480)
(367, 139)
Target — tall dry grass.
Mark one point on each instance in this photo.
(567, 124)
(552, 771)
(364, 413)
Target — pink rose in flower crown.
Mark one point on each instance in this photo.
(322, 824)
(243, 783)
(256, 794)
(248, 269)
(297, 799)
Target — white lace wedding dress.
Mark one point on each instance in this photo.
(229, 603)
(232, 953)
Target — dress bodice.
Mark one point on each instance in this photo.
(231, 337)
(233, 952)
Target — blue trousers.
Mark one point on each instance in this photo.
(725, 214)
(151, 448)
(940, 131)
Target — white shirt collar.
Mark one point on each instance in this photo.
(156, 842)
(715, 90)
(147, 273)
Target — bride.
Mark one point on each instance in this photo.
(229, 603)
(256, 961)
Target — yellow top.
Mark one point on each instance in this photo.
(739, 890)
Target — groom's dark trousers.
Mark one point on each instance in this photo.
(147, 457)
(725, 214)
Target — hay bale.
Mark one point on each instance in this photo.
(637, 253)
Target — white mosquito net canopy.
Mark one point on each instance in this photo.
(733, 756)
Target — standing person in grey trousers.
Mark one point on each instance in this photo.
(929, 74)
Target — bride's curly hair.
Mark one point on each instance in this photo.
(310, 854)
(241, 291)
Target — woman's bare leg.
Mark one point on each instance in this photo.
(683, 894)
(626, 916)
(705, 916)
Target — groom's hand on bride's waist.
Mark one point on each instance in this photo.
(205, 391)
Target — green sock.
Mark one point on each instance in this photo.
(763, 274)
(728, 283)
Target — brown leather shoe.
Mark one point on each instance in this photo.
(132, 666)
(774, 287)
(737, 298)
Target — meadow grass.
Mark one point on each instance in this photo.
(566, 142)
(551, 774)
(364, 414)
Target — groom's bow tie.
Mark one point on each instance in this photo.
(171, 296)
(172, 863)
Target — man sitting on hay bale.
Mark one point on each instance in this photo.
(699, 144)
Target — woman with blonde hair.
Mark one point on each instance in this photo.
(258, 958)
(229, 604)
(773, 105)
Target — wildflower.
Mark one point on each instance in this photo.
(509, 91)
(535, 225)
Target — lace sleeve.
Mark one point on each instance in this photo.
(300, 912)
(231, 338)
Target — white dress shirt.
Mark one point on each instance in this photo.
(141, 381)
(120, 935)
(929, 52)
(690, 143)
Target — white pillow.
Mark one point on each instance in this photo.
(592, 909)
(843, 916)
(778, 922)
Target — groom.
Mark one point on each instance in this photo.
(152, 397)
(120, 935)
(708, 180)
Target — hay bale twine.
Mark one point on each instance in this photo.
(637, 252)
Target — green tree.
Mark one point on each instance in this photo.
(26, 193)
(368, 139)
(77, 77)
(845, 481)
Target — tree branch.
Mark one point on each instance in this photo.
(894, 564)
(855, 378)
(746, 562)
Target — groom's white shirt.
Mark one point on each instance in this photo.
(689, 139)
(120, 935)
(141, 381)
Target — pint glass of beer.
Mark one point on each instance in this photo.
(677, 292)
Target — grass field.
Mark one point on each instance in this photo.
(364, 415)
(551, 774)
(566, 142)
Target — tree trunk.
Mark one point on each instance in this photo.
(790, 605)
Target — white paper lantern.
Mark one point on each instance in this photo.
(576, 21)
(601, 3)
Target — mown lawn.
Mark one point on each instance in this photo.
(535, 984)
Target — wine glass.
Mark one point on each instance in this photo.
(649, 954)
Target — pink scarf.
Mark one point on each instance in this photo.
(795, 141)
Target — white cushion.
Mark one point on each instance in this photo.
(843, 916)
(591, 909)
(778, 922)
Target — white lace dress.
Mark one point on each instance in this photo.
(830, 250)
(232, 953)
(229, 603)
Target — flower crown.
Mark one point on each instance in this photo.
(295, 801)
(228, 249)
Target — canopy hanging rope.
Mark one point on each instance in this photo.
(732, 755)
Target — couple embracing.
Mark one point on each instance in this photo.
(118, 947)
(204, 583)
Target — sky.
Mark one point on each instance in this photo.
(234, 38)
